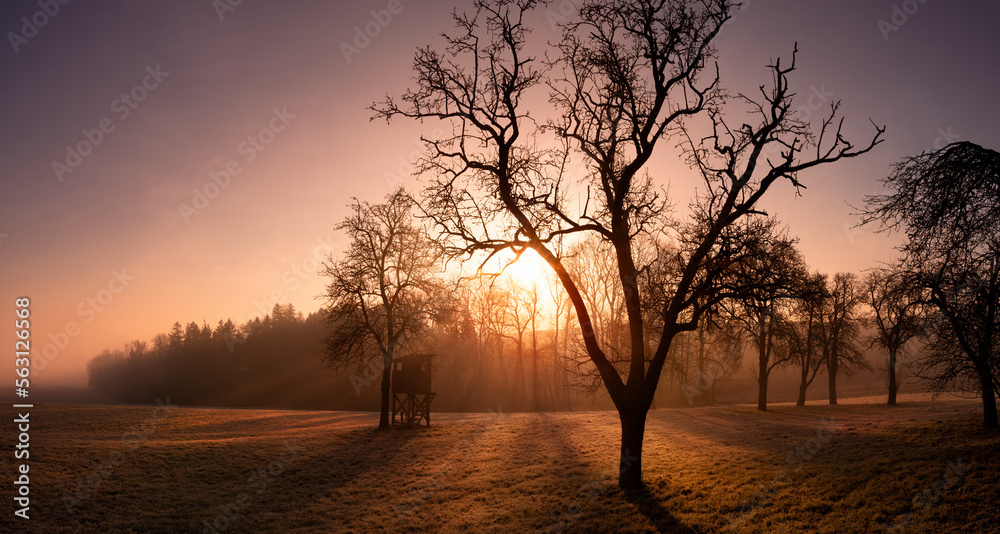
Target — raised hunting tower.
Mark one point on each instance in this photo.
(411, 389)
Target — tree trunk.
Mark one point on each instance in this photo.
(633, 420)
(806, 361)
(989, 399)
(522, 387)
(383, 418)
(892, 378)
(762, 363)
(803, 385)
(762, 390)
(556, 371)
(831, 367)
(535, 394)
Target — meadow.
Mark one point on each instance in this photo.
(923, 466)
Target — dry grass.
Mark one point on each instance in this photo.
(717, 469)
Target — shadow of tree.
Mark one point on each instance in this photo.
(321, 469)
(652, 508)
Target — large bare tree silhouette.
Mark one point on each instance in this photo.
(625, 77)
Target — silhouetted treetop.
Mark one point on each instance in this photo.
(942, 197)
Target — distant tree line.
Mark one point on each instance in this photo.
(267, 361)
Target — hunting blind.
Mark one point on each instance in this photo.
(411, 389)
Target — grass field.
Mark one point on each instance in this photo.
(920, 467)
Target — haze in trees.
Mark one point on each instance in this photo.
(625, 78)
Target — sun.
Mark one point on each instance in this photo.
(530, 269)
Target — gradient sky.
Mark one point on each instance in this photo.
(62, 242)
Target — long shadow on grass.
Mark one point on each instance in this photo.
(595, 500)
(651, 507)
(320, 468)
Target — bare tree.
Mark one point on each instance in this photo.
(624, 77)
(383, 291)
(840, 330)
(518, 315)
(762, 288)
(488, 306)
(947, 203)
(897, 316)
(806, 347)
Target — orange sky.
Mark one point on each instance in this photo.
(121, 246)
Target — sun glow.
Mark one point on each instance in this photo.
(530, 269)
